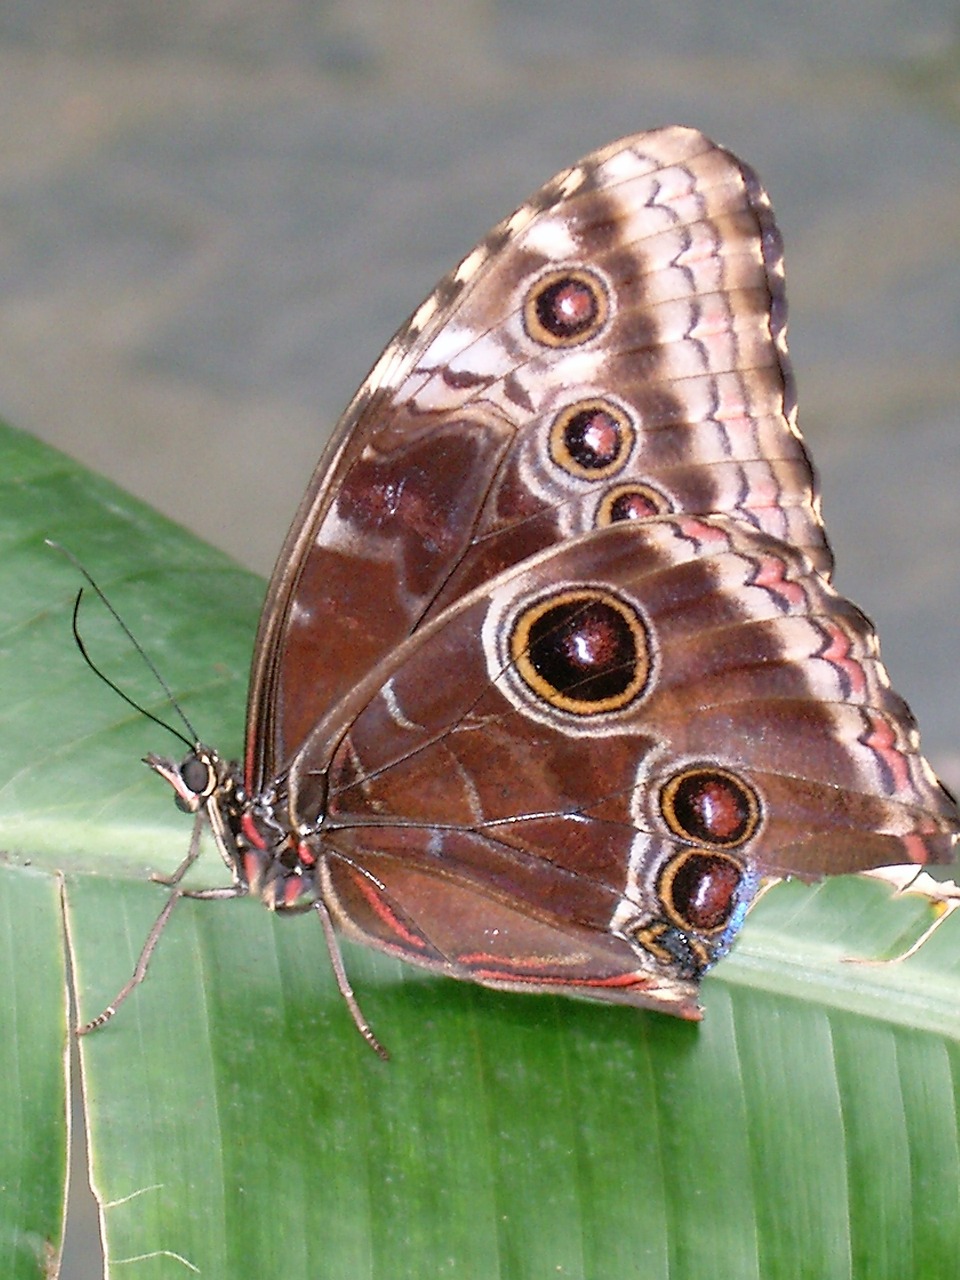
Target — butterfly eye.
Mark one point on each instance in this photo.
(197, 774)
(700, 891)
(583, 651)
(565, 308)
(631, 502)
(710, 806)
(592, 439)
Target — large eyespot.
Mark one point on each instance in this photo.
(566, 307)
(631, 502)
(700, 890)
(583, 650)
(592, 439)
(710, 806)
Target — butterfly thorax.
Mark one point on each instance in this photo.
(253, 833)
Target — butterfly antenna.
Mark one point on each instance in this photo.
(144, 656)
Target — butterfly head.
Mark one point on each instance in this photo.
(198, 776)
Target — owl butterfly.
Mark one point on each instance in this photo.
(550, 671)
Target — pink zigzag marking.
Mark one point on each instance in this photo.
(838, 654)
(915, 847)
(881, 739)
(772, 576)
(702, 533)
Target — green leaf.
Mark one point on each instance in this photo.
(240, 1127)
(33, 1118)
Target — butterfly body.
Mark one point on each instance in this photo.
(550, 671)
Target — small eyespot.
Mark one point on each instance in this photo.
(711, 806)
(700, 890)
(592, 439)
(672, 946)
(631, 502)
(582, 650)
(566, 308)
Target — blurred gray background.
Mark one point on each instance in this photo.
(214, 213)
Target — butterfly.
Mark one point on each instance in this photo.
(550, 671)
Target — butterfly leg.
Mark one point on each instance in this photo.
(191, 856)
(941, 910)
(942, 896)
(153, 937)
(343, 982)
(139, 973)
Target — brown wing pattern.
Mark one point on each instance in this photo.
(728, 647)
(613, 350)
(642, 721)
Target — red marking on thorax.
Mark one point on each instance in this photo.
(252, 866)
(306, 855)
(248, 827)
(293, 888)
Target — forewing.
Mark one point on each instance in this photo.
(613, 350)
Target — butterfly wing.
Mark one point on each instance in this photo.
(614, 349)
(575, 776)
